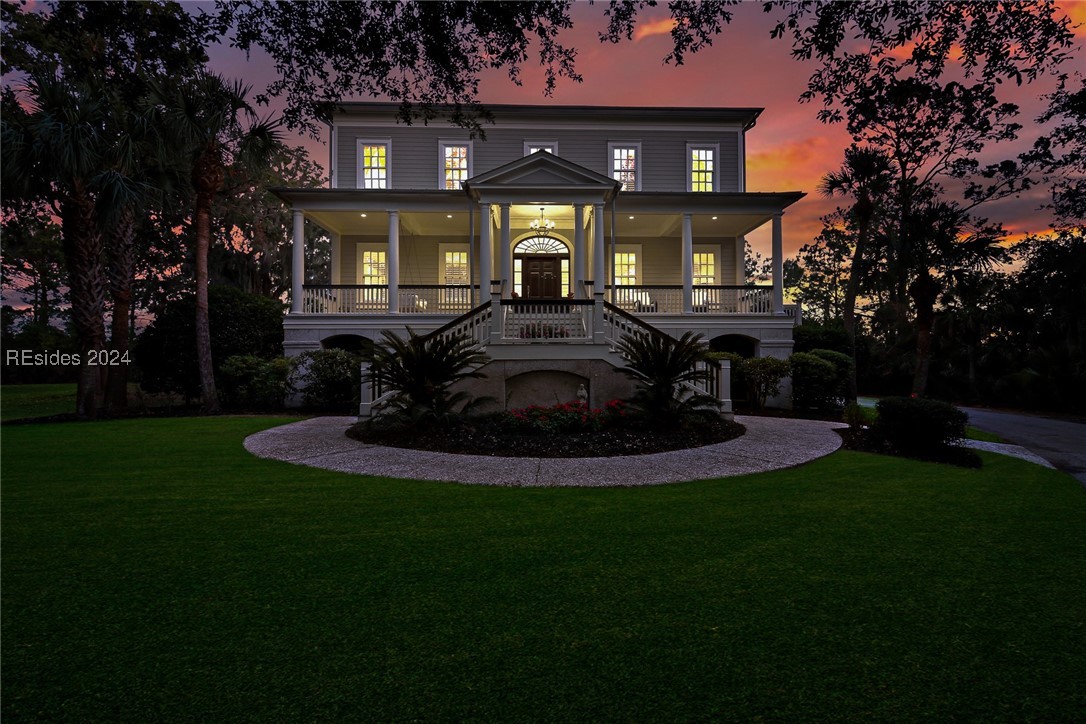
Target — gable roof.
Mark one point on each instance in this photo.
(541, 171)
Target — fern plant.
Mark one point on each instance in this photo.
(421, 371)
(664, 369)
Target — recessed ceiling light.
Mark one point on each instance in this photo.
(714, 218)
(631, 217)
(448, 216)
(362, 215)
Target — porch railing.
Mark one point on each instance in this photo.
(715, 299)
(373, 299)
(531, 320)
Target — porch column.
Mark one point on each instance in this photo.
(688, 264)
(740, 260)
(778, 266)
(598, 272)
(297, 267)
(486, 266)
(578, 251)
(506, 253)
(393, 261)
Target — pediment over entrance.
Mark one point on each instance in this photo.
(541, 172)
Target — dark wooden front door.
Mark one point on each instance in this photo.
(542, 277)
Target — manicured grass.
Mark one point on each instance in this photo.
(18, 401)
(975, 433)
(154, 570)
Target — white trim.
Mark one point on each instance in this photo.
(639, 261)
(333, 163)
(442, 144)
(574, 126)
(742, 161)
(610, 165)
(553, 145)
(358, 144)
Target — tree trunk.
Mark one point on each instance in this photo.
(848, 317)
(121, 271)
(86, 290)
(924, 291)
(208, 178)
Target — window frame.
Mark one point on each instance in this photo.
(360, 180)
(442, 269)
(444, 143)
(360, 250)
(715, 252)
(639, 264)
(692, 146)
(552, 144)
(636, 145)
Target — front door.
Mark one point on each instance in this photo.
(542, 277)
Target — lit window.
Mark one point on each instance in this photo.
(702, 168)
(704, 268)
(374, 270)
(565, 277)
(374, 165)
(455, 165)
(624, 165)
(518, 277)
(456, 267)
(625, 268)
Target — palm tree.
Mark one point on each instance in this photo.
(865, 176)
(663, 368)
(56, 149)
(210, 121)
(422, 370)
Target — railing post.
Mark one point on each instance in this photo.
(597, 316)
(365, 406)
(297, 257)
(497, 324)
(778, 266)
(724, 389)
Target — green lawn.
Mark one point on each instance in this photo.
(152, 569)
(18, 401)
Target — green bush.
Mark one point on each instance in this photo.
(810, 336)
(329, 379)
(763, 377)
(842, 364)
(915, 426)
(662, 368)
(241, 324)
(814, 382)
(251, 383)
(856, 417)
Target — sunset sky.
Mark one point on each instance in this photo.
(788, 149)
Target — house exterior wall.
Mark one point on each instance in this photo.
(413, 152)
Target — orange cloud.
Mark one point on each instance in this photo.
(1075, 10)
(663, 26)
(795, 164)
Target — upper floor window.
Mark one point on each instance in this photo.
(373, 164)
(701, 162)
(455, 164)
(531, 147)
(625, 163)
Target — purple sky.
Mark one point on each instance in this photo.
(788, 149)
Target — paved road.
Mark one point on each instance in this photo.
(1061, 442)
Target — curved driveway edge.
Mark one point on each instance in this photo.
(770, 444)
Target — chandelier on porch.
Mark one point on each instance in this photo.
(542, 226)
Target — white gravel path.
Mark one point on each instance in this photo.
(769, 444)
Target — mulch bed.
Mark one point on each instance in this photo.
(490, 436)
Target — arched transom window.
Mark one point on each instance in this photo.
(540, 245)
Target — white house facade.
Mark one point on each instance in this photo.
(562, 230)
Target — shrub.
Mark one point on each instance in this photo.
(763, 377)
(915, 426)
(810, 336)
(250, 382)
(813, 382)
(329, 379)
(421, 371)
(662, 368)
(855, 416)
(241, 324)
(565, 417)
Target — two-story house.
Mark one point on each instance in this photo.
(566, 227)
